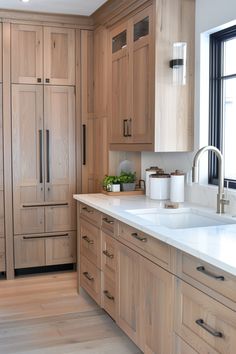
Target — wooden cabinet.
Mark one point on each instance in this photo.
(131, 80)
(42, 55)
(90, 279)
(2, 255)
(128, 294)
(207, 325)
(181, 347)
(90, 242)
(45, 249)
(151, 103)
(43, 136)
(1, 53)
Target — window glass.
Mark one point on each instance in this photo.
(229, 57)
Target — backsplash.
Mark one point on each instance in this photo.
(204, 195)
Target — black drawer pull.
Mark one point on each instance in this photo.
(85, 238)
(209, 274)
(42, 236)
(108, 295)
(88, 276)
(44, 205)
(107, 254)
(139, 238)
(88, 210)
(207, 328)
(110, 222)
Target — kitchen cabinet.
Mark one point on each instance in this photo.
(44, 249)
(2, 220)
(151, 103)
(2, 255)
(131, 80)
(42, 55)
(43, 148)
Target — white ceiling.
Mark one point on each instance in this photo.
(74, 7)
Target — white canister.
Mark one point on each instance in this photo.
(177, 187)
(160, 186)
(148, 173)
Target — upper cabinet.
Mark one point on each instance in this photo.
(42, 55)
(151, 99)
(131, 80)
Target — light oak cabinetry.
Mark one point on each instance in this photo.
(131, 74)
(150, 103)
(42, 55)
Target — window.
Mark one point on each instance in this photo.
(223, 103)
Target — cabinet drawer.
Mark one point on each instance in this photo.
(90, 242)
(149, 244)
(2, 255)
(212, 277)
(207, 325)
(90, 214)
(181, 347)
(90, 279)
(108, 295)
(108, 224)
(29, 251)
(61, 249)
(108, 255)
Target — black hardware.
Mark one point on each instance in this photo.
(47, 236)
(40, 156)
(125, 127)
(88, 211)
(176, 63)
(207, 328)
(108, 295)
(47, 81)
(91, 242)
(110, 222)
(142, 239)
(107, 254)
(129, 127)
(39, 79)
(209, 274)
(88, 276)
(48, 156)
(84, 143)
(43, 205)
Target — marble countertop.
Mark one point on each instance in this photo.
(213, 244)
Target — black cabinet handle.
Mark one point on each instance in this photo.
(48, 155)
(47, 81)
(44, 205)
(84, 143)
(87, 239)
(88, 211)
(40, 156)
(88, 276)
(39, 79)
(139, 238)
(110, 222)
(107, 254)
(108, 295)
(129, 127)
(209, 274)
(125, 121)
(42, 236)
(207, 328)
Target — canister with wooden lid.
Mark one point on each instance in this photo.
(160, 186)
(148, 173)
(177, 187)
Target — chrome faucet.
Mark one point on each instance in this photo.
(221, 201)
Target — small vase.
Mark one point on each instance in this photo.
(115, 187)
(128, 187)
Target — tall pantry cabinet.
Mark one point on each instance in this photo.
(43, 144)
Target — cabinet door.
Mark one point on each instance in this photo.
(156, 289)
(27, 156)
(2, 231)
(60, 175)
(59, 56)
(61, 249)
(2, 255)
(128, 296)
(120, 113)
(29, 251)
(26, 54)
(142, 77)
(0, 53)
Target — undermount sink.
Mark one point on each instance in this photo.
(180, 218)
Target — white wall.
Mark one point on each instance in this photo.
(211, 15)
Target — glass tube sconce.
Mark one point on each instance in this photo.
(178, 63)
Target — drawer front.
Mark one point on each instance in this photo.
(181, 347)
(91, 215)
(108, 224)
(208, 275)
(90, 279)
(108, 295)
(207, 325)
(149, 244)
(90, 242)
(2, 255)
(29, 251)
(108, 255)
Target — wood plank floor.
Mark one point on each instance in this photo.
(44, 314)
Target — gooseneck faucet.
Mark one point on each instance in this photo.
(221, 201)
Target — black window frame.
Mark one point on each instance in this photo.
(216, 97)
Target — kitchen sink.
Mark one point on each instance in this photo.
(180, 218)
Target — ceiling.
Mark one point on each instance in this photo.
(74, 7)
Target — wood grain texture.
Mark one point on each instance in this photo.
(44, 314)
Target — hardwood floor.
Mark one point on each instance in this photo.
(44, 314)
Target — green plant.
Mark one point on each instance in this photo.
(108, 180)
(127, 177)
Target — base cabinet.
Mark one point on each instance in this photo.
(181, 347)
(2, 255)
(44, 250)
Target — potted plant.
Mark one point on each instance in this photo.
(111, 183)
(127, 181)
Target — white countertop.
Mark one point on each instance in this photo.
(213, 244)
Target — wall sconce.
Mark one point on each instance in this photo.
(178, 63)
